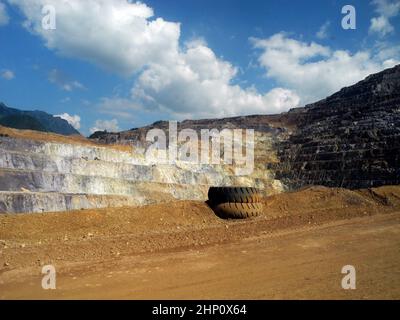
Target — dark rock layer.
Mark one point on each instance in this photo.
(350, 139)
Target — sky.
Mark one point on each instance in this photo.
(119, 64)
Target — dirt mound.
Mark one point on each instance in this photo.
(189, 214)
(318, 198)
(386, 195)
(102, 234)
(107, 222)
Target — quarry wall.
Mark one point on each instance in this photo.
(350, 139)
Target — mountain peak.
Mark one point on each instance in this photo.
(34, 120)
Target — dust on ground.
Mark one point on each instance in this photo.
(295, 249)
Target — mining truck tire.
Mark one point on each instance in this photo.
(236, 210)
(217, 195)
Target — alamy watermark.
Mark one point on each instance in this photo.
(349, 20)
(349, 280)
(49, 20)
(203, 147)
(49, 278)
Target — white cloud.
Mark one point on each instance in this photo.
(4, 18)
(116, 34)
(118, 107)
(323, 31)
(315, 71)
(189, 81)
(386, 9)
(199, 84)
(60, 79)
(388, 53)
(73, 120)
(7, 74)
(381, 25)
(108, 125)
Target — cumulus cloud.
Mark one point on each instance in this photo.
(386, 9)
(315, 71)
(62, 80)
(323, 30)
(381, 25)
(190, 80)
(199, 84)
(7, 74)
(4, 18)
(116, 34)
(73, 120)
(108, 125)
(186, 81)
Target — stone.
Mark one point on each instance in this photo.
(350, 139)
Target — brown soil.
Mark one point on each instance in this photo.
(53, 137)
(182, 250)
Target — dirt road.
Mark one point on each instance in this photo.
(295, 256)
(295, 264)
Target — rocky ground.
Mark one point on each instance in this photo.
(296, 249)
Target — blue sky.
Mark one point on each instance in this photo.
(114, 64)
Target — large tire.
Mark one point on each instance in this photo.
(217, 195)
(237, 210)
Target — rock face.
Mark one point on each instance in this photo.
(350, 139)
(38, 176)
